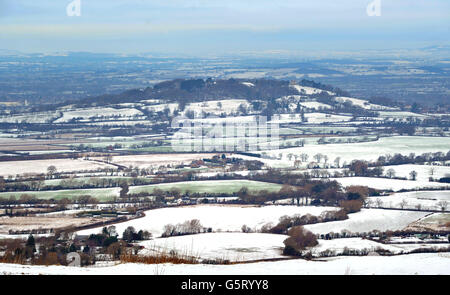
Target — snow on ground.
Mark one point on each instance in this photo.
(227, 120)
(219, 218)
(217, 107)
(274, 163)
(41, 117)
(424, 264)
(107, 194)
(424, 172)
(161, 107)
(248, 84)
(155, 160)
(315, 105)
(401, 115)
(210, 186)
(121, 123)
(22, 236)
(338, 246)
(64, 213)
(309, 90)
(40, 166)
(389, 184)
(229, 246)
(19, 223)
(370, 151)
(432, 222)
(362, 103)
(425, 199)
(311, 118)
(98, 112)
(367, 220)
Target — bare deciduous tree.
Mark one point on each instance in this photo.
(390, 173)
(51, 170)
(318, 157)
(403, 204)
(379, 203)
(442, 205)
(337, 162)
(413, 175)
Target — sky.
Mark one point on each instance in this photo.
(211, 27)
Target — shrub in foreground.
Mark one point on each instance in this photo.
(299, 239)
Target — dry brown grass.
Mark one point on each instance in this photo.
(158, 259)
(42, 222)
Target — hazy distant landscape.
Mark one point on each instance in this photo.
(400, 75)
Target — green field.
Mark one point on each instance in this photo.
(107, 194)
(152, 149)
(210, 186)
(85, 180)
(102, 194)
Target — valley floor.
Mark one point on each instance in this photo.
(411, 264)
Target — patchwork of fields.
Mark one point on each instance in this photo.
(220, 218)
(242, 201)
(107, 194)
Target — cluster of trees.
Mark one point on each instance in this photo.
(107, 237)
(82, 200)
(49, 252)
(299, 240)
(131, 235)
(361, 168)
(90, 148)
(53, 250)
(287, 222)
(399, 159)
(237, 163)
(186, 228)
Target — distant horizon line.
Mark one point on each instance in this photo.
(282, 53)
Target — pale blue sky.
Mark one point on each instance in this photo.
(208, 26)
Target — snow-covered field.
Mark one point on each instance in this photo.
(229, 246)
(107, 194)
(218, 217)
(97, 112)
(370, 151)
(389, 184)
(256, 246)
(309, 90)
(311, 118)
(217, 107)
(424, 264)
(424, 172)
(362, 103)
(315, 105)
(248, 84)
(339, 245)
(40, 117)
(121, 123)
(161, 107)
(367, 220)
(210, 186)
(433, 222)
(155, 160)
(320, 118)
(34, 222)
(40, 166)
(101, 194)
(401, 115)
(424, 199)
